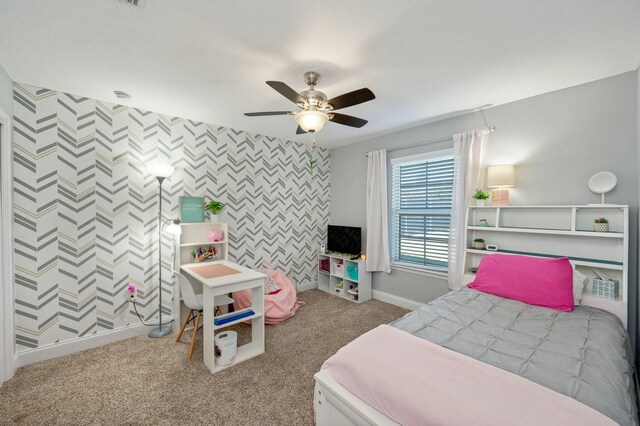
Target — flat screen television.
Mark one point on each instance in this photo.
(344, 239)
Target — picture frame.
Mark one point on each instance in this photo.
(191, 209)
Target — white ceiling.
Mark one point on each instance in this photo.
(207, 60)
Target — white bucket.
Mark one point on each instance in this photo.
(226, 347)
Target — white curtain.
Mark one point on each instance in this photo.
(377, 223)
(469, 150)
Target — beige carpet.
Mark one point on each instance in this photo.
(144, 381)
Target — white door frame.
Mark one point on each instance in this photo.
(7, 330)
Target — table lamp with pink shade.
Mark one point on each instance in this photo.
(500, 177)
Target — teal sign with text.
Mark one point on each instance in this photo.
(191, 209)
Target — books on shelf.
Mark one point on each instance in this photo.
(232, 316)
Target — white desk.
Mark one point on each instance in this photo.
(245, 279)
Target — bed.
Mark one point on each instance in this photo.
(584, 354)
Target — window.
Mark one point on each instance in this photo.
(421, 210)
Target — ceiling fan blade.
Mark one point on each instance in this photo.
(299, 131)
(259, 114)
(348, 120)
(352, 98)
(286, 91)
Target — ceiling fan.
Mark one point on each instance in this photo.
(316, 109)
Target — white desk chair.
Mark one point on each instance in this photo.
(194, 302)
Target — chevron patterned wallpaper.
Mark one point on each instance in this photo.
(85, 208)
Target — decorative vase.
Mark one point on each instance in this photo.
(601, 227)
(213, 218)
(480, 202)
(478, 245)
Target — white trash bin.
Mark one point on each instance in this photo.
(226, 347)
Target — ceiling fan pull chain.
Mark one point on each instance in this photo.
(313, 161)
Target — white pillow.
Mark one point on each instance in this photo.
(579, 281)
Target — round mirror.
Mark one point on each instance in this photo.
(602, 182)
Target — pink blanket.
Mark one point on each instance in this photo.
(277, 307)
(416, 382)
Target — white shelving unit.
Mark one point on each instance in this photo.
(345, 278)
(557, 231)
(195, 235)
(218, 287)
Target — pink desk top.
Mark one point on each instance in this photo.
(214, 271)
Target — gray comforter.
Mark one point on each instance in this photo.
(584, 354)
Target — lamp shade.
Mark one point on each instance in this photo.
(501, 176)
(174, 227)
(159, 168)
(311, 121)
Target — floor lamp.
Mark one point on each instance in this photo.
(161, 172)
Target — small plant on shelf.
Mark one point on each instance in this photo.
(480, 196)
(213, 209)
(478, 244)
(601, 224)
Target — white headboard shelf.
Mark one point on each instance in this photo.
(557, 231)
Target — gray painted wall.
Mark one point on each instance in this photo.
(6, 92)
(638, 242)
(6, 105)
(556, 140)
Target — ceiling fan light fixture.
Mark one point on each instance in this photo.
(311, 121)
(317, 109)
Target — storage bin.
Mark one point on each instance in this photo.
(324, 265)
(226, 347)
(339, 269)
(353, 294)
(352, 272)
(605, 289)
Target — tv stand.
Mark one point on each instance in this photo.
(341, 276)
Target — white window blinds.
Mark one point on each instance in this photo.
(421, 207)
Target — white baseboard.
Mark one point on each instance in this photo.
(56, 350)
(305, 287)
(396, 300)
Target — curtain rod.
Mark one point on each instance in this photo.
(490, 128)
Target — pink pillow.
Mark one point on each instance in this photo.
(532, 280)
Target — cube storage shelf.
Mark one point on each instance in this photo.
(344, 278)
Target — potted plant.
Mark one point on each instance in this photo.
(480, 196)
(478, 244)
(213, 209)
(602, 224)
